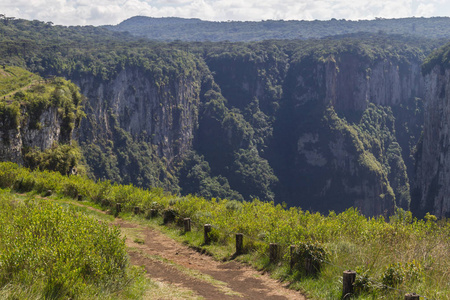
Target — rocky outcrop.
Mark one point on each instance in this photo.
(13, 140)
(433, 170)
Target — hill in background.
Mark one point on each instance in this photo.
(170, 29)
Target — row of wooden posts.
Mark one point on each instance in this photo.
(348, 278)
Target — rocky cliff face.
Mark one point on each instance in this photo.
(352, 82)
(139, 125)
(433, 171)
(349, 155)
(162, 115)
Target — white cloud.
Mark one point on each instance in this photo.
(98, 12)
(425, 10)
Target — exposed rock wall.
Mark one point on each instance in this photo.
(164, 115)
(335, 165)
(352, 82)
(433, 171)
(14, 140)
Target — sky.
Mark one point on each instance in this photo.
(111, 12)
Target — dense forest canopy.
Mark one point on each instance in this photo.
(170, 29)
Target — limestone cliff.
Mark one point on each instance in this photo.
(352, 82)
(139, 125)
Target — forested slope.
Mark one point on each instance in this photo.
(171, 29)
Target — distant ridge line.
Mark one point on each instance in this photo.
(183, 29)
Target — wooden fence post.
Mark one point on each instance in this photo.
(187, 224)
(273, 252)
(152, 213)
(207, 230)
(169, 216)
(412, 296)
(349, 278)
(118, 209)
(239, 243)
(311, 266)
(292, 249)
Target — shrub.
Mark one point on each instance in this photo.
(393, 276)
(309, 257)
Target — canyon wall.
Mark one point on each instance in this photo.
(433, 169)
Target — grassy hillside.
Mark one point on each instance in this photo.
(32, 93)
(13, 79)
(50, 252)
(401, 252)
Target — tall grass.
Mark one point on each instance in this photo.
(48, 252)
(392, 255)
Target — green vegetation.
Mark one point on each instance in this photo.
(225, 119)
(401, 252)
(31, 103)
(14, 78)
(29, 95)
(64, 159)
(170, 29)
(48, 252)
(440, 57)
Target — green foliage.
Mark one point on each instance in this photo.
(377, 130)
(60, 158)
(198, 30)
(62, 252)
(10, 115)
(393, 276)
(313, 252)
(31, 97)
(440, 58)
(363, 283)
(13, 79)
(414, 250)
(127, 160)
(195, 178)
(252, 175)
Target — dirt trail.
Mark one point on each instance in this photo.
(169, 261)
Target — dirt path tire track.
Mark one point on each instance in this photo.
(240, 278)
